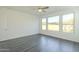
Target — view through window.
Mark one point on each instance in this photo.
(43, 23)
(68, 23)
(53, 23)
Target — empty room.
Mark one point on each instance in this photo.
(39, 29)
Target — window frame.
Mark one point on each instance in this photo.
(54, 24)
(69, 24)
(43, 24)
(60, 22)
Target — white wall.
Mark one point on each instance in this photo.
(2, 24)
(69, 36)
(15, 24)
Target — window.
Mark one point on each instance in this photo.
(53, 23)
(43, 23)
(68, 22)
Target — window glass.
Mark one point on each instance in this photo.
(43, 23)
(53, 23)
(68, 23)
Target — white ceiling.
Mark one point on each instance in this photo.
(34, 9)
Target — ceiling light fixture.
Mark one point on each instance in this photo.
(40, 10)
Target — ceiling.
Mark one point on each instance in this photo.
(34, 9)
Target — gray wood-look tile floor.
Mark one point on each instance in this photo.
(38, 43)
